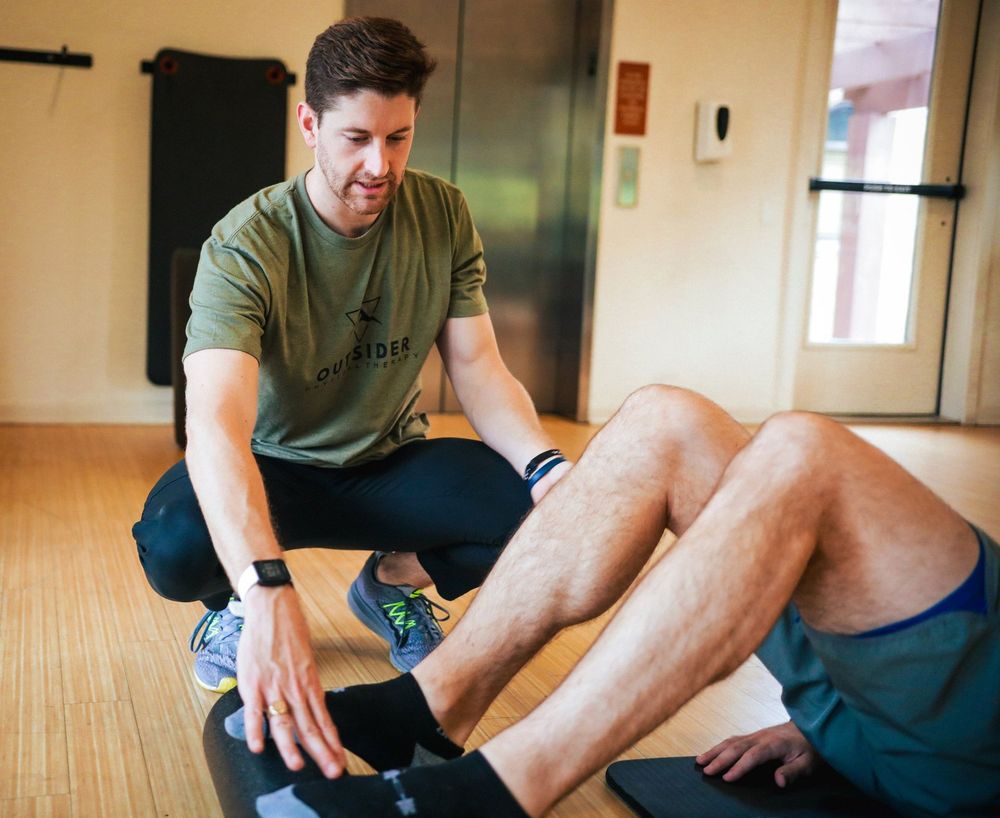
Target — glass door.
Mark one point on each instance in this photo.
(887, 199)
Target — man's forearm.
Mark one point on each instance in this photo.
(230, 491)
(494, 401)
(503, 415)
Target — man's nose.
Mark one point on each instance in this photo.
(376, 160)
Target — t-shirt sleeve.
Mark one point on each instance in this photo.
(229, 302)
(468, 269)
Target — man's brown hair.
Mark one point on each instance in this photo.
(365, 54)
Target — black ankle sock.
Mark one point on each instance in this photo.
(389, 724)
(465, 788)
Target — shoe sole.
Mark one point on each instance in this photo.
(224, 686)
(371, 620)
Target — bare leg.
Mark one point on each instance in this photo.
(806, 510)
(402, 568)
(653, 466)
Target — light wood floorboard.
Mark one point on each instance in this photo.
(46, 806)
(98, 713)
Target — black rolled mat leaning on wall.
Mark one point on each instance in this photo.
(676, 788)
(239, 775)
(217, 137)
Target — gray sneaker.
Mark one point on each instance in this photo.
(215, 640)
(401, 615)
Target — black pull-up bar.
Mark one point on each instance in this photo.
(934, 191)
(62, 57)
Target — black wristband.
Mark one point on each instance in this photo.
(537, 460)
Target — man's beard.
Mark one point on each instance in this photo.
(343, 187)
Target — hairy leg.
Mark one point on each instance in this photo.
(653, 466)
(806, 510)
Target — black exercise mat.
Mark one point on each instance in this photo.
(239, 775)
(218, 136)
(676, 788)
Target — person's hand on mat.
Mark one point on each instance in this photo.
(542, 487)
(740, 754)
(278, 679)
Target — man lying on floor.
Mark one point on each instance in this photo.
(872, 602)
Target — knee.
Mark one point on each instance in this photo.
(802, 440)
(173, 544)
(658, 405)
(670, 419)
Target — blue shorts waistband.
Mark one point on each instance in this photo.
(969, 596)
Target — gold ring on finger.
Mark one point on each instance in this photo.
(279, 707)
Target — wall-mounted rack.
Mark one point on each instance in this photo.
(62, 57)
(169, 64)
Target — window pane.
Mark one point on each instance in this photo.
(863, 268)
(877, 122)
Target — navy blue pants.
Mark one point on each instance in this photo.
(453, 502)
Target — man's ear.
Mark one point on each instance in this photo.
(308, 121)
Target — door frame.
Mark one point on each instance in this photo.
(976, 260)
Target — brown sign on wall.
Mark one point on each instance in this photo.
(631, 98)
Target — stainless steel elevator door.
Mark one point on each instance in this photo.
(498, 121)
(513, 133)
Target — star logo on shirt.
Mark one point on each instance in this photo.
(363, 316)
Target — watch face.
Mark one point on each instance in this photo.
(272, 572)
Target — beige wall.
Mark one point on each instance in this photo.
(988, 400)
(690, 282)
(74, 160)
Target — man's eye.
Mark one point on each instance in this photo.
(398, 138)
(358, 139)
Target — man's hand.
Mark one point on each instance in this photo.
(543, 486)
(275, 664)
(740, 754)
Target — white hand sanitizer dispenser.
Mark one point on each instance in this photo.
(713, 131)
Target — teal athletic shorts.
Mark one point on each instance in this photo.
(911, 716)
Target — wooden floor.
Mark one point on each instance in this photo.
(98, 713)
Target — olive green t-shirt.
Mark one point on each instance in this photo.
(341, 326)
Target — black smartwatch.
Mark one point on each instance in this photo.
(269, 573)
